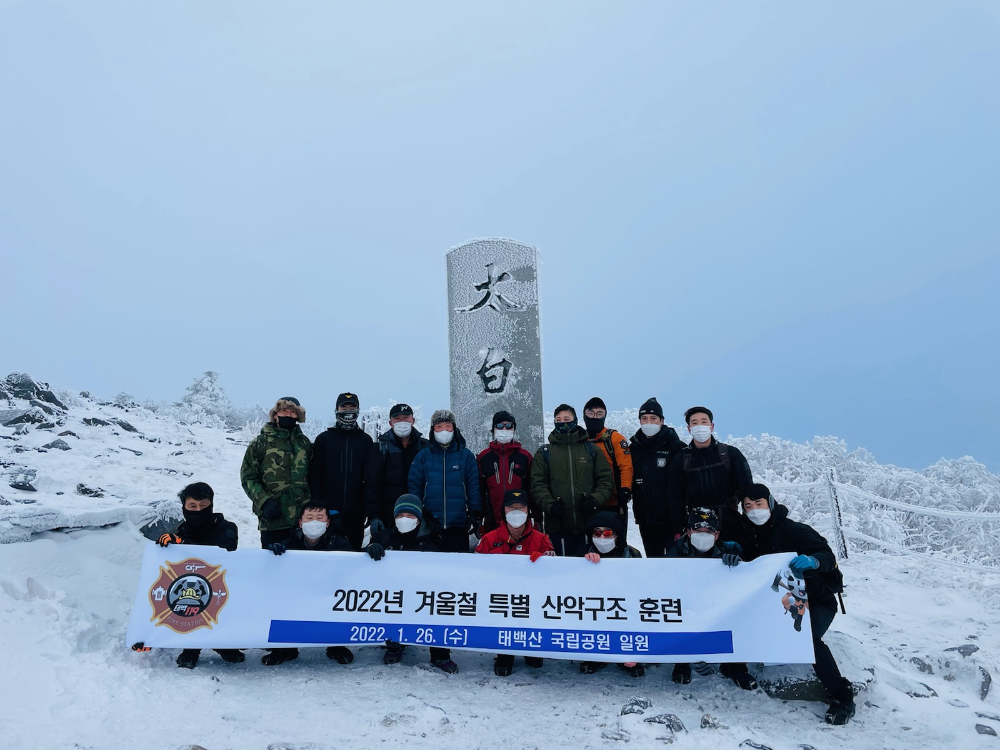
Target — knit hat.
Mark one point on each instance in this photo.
(608, 520)
(400, 410)
(759, 492)
(348, 398)
(288, 402)
(703, 518)
(443, 415)
(651, 406)
(595, 403)
(504, 416)
(409, 504)
(510, 497)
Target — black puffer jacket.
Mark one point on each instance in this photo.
(651, 459)
(221, 533)
(425, 538)
(337, 470)
(386, 469)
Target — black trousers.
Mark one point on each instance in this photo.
(354, 530)
(569, 545)
(275, 535)
(656, 539)
(455, 539)
(821, 617)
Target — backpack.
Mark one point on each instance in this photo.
(612, 457)
(723, 460)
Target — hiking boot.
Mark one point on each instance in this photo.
(590, 667)
(633, 669)
(341, 654)
(535, 662)
(503, 665)
(231, 655)
(738, 673)
(682, 674)
(189, 658)
(393, 654)
(279, 655)
(840, 712)
(445, 665)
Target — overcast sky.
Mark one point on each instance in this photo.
(785, 211)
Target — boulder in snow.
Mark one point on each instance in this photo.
(95, 422)
(59, 445)
(986, 729)
(82, 489)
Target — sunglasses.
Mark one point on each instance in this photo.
(503, 426)
(605, 533)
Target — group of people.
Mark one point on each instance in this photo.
(571, 498)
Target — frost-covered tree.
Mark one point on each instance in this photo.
(206, 402)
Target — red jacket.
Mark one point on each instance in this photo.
(499, 542)
(502, 467)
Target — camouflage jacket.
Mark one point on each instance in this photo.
(275, 466)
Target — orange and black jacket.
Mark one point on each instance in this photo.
(619, 457)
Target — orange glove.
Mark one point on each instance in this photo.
(535, 555)
(166, 539)
(140, 647)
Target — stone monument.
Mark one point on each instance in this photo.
(494, 339)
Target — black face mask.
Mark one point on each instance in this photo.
(347, 420)
(287, 423)
(594, 425)
(565, 428)
(199, 520)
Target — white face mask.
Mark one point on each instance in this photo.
(516, 518)
(444, 437)
(604, 544)
(701, 432)
(702, 541)
(503, 436)
(406, 525)
(313, 529)
(759, 516)
(402, 429)
(649, 428)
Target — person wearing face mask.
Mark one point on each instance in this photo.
(616, 450)
(203, 526)
(504, 465)
(606, 539)
(707, 474)
(445, 476)
(701, 541)
(388, 465)
(653, 448)
(319, 530)
(412, 530)
(517, 536)
(570, 481)
(275, 471)
(767, 529)
(337, 470)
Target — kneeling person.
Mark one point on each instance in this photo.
(517, 536)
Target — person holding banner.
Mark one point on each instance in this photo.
(570, 481)
(517, 536)
(768, 529)
(606, 533)
(203, 526)
(701, 541)
(275, 470)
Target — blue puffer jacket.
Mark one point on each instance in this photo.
(447, 479)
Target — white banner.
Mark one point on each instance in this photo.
(558, 607)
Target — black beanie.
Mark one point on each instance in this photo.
(651, 406)
(503, 416)
(759, 492)
(595, 403)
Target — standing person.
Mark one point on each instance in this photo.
(606, 538)
(337, 470)
(275, 471)
(517, 536)
(707, 474)
(616, 451)
(701, 541)
(388, 465)
(320, 530)
(411, 531)
(570, 481)
(446, 478)
(768, 529)
(654, 446)
(203, 526)
(503, 466)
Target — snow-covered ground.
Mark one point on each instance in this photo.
(71, 682)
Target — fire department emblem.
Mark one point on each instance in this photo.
(188, 595)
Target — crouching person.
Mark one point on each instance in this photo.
(516, 536)
(768, 529)
(203, 526)
(701, 541)
(606, 535)
(321, 530)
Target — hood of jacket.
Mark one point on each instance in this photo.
(608, 520)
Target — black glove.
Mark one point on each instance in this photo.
(375, 551)
(624, 497)
(376, 527)
(141, 647)
(474, 524)
(730, 559)
(277, 548)
(587, 505)
(558, 510)
(270, 510)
